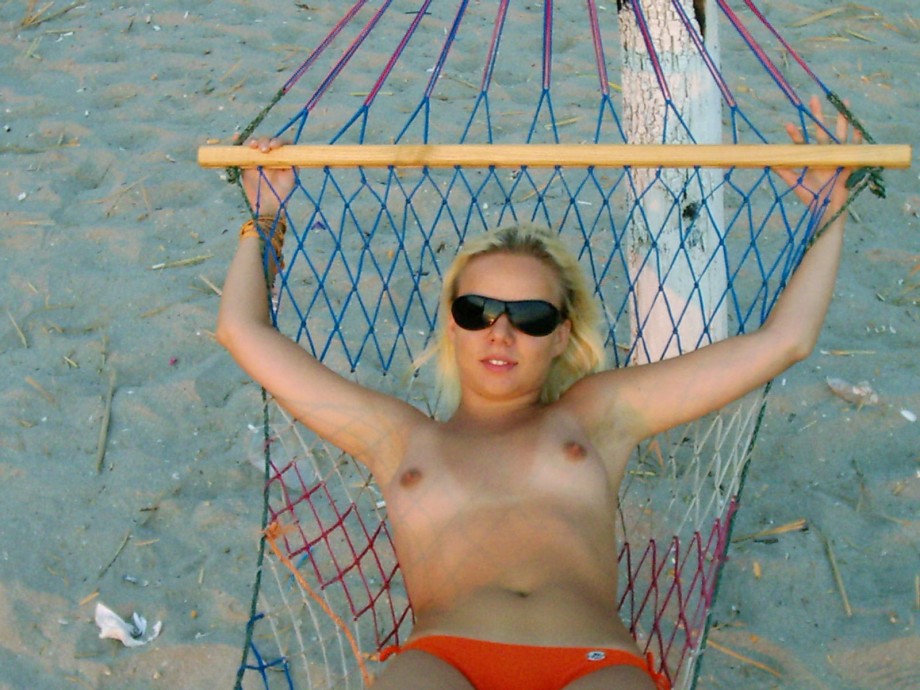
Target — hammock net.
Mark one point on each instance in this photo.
(678, 258)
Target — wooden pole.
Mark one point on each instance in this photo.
(676, 270)
(552, 155)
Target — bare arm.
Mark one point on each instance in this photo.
(641, 401)
(364, 423)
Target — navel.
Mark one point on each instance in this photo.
(575, 451)
(410, 477)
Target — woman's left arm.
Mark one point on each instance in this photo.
(645, 400)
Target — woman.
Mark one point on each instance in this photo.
(503, 514)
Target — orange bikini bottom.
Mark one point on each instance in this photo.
(499, 666)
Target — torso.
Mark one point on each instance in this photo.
(508, 534)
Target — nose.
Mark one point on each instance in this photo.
(501, 329)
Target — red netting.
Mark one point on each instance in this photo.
(705, 251)
(328, 523)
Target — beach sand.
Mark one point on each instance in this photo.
(111, 239)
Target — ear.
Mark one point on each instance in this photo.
(450, 329)
(561, 336)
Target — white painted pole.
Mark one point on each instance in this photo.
(676, 265)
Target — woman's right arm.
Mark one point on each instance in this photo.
(368, 425)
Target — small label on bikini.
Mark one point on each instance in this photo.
(596, 655)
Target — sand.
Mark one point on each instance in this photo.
(111, 239)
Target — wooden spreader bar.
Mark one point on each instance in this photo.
(552, 155)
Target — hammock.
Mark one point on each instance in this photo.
(441, 120)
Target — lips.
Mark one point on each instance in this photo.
(498, 363)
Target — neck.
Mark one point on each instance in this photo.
(485, 413)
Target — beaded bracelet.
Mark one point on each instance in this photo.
(263, 227)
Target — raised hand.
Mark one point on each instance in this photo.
(818, 184)
(267, 188)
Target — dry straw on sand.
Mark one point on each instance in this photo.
(101, 110)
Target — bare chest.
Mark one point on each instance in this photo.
(515, 510)
(554, 466)
(523, 495)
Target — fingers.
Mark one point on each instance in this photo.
(843, 128)
(822, 131)
(265, 144)
(796, 134)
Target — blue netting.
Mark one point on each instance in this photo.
(705, 251)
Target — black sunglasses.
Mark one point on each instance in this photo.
(534, 317)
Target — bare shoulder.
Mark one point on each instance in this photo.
(388, 426)
(598, 400)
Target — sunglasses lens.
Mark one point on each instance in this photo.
(469, 312)
(533, 317)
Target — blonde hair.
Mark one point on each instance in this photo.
(585, 351)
